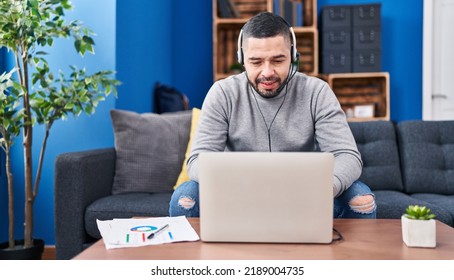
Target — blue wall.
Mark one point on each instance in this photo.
(144, 51)
(192, 53)
(402, 23)
(171, 42)
(164, 41)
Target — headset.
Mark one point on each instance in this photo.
(293, 52)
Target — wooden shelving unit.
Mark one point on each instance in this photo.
(307, 46)
(363, 96)
(227, 29)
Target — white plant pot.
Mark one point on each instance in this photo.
(419, 233)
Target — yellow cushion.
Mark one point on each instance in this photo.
(184, 171)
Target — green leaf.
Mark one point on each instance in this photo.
(77, 45)
(88, 40)
(88, 109)
(50, 24)
(108, 89)
(35, 78)
(82, 49)
(90, 49)
(84, 99)
(59, 11)
(42, 41)
(66, 4)
(34, 4)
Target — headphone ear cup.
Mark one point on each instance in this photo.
(295, 55)
(294, 52)
(239, 52)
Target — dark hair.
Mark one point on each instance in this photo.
(265, 25)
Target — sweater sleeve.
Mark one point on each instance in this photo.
(212, 130)
(333, 134)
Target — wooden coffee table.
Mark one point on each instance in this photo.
(379, 239)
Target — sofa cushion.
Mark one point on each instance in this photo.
(184, 176)
(376, 141)
(126, 205)
(150, 150)
(392, 205)
(427, 154)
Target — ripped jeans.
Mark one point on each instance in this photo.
(184, 202)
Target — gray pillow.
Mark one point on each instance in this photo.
(150, 150)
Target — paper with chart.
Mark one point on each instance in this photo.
(120, 233)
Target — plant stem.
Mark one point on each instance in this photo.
(28, 163)
(41, 159)
(10, 198)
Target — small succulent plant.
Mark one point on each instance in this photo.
(416, 212)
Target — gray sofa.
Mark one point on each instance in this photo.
(408, 163)
(411, 162)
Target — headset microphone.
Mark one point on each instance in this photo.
(294, 66)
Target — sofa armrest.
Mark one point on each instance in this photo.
(80, 179)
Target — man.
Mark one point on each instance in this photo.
(272, 107)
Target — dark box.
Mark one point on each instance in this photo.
(336, 16)
(366, 14)
(366, 37)
(338, 61)
(366, 61)
(336, 39)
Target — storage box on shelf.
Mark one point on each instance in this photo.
(230, 15)
(350, 38)
(363, 96)
(366, 37)
(335, 26)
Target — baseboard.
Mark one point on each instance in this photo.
(49, 253)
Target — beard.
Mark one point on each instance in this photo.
(265, 92)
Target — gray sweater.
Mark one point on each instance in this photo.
(236, 118)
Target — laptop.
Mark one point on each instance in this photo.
(284, 197)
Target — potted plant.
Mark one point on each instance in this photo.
(418, 227)
(236, 68)
(32, 94)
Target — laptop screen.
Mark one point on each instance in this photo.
(266, 197)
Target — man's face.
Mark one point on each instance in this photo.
(267, 63)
